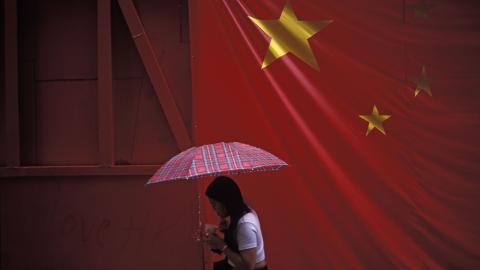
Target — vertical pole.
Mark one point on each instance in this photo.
(199, 229)
(104, 84)
(12, 142)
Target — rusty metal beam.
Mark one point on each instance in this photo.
(146, 170)
(12, 140)
(104, 83)
(156, 74)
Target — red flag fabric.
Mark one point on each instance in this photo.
(374, 104)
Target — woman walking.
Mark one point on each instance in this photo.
(242, 242)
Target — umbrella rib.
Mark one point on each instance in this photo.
(207, 157)
(215, 160)
(211, 156)
(240, 165)
(192, 164)
(227, 156)
(232, 151)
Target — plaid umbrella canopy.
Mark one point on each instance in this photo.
(216, 159)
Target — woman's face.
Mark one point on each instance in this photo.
(220, 209)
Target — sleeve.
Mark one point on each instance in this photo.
(246, 236)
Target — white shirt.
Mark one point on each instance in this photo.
(249, 234)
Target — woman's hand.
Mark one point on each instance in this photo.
(214, 241)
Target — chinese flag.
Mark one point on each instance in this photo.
(374, 104)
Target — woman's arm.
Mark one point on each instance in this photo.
(245, 260)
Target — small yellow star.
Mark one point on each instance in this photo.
(375, 120)
(290, 35)
(421, 9)
(423, 83)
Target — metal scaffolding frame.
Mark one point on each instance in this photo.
(106, 164)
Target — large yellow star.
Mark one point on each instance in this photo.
(375, 120)
(290, 35)
(423, 83)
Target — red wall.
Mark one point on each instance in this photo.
(77, 217)
(98, 223)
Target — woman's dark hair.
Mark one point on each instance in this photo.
(224, 190)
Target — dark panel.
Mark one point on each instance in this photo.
(2, 88)
(126, 61)
(28, 112)
(127, 102)
(153, 142)
(67, 123)
(155, 73)
(105, 84)
(141, 130)
(66, 35)
(12, 130)
(26, 62)
(57, 57)
(165, 22)
(98, 223)
(142, 134)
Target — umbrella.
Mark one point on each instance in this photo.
(216, 159)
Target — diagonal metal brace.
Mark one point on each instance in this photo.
(156, 74)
